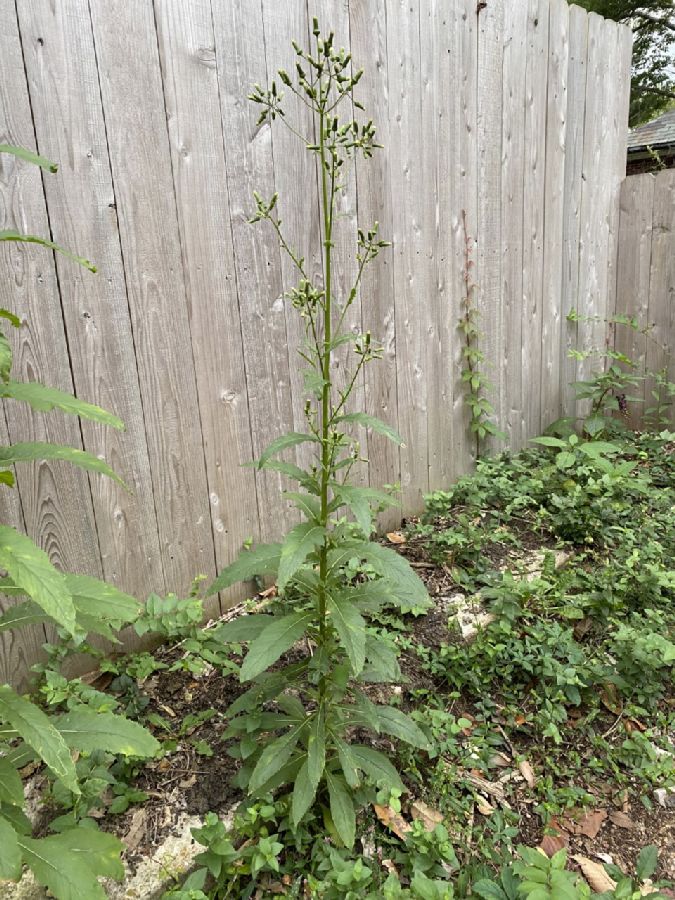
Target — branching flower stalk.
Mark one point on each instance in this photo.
(480, 408)
(294, 724)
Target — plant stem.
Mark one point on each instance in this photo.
(326, 208)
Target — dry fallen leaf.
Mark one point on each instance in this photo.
(391, 820)
(136, 830)
(611, 699)
(527, 772)
(587, 823)
(595, 874)
(270, 592)
(483, 807)
(389, 866)
(621, 820)
(555, 840)
(520, 719)
(500, 760)
(429, 817)
(396, 537)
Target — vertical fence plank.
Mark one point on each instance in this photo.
(61, 69)
(536, 77)
(661, 314)
(513, 178)
(187, 51)
(369, 48)
(574, 153)
(409, 245)
(133, 104)
(594, 236)
(240, 52)
(554, 198)
(55, 497)
(489, 276)
(633, 273)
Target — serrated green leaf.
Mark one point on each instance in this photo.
(547, 441)
(363, 502)
(489, 890)
(38, 732)
(19, 238)
(308, 504)
(402, 584)
(377, 425)
(303, 478)
(292, 439)
(17, 818)
(298, 544)
(262, 560)
(303, 795)
(351, 629)
(11, 788)
(275, 756)
(38, 450)
(22, 614)
(7, 477)
(376, 766)
(396, 723)
(384, 665)
(66, 873)
(348, 762)
(243, 628)
(274, 640)
(30, 569)
(316, 748)
(88, 730)
(45, 399)
(647, 862)
(10, 853)
(341, 809)
(29, 156)
(100, 599)
(10, 317)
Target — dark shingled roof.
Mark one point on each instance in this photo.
(658, 133)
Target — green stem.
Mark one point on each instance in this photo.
(326, 205)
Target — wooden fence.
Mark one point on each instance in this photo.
(513, 111)
(646, 280)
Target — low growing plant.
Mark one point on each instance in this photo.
(298, 723)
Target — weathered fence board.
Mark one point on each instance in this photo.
(511, 113)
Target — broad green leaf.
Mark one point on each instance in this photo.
(7, 477)
(403, 585)
(100, 599)
(292, 439)
(284, 776)
(29, 451)
(17, 818)
(98, 850)
(10, 854)
(384, 665)
(304, 793)
(87, 730)
(274, 640)
(308, 504)
(262, 560)
(565, 459)
(30, 568)
(341, 809)
(275, 756)
(597, 448)
(22, 614)
(376, 766)
(647, 862)
(489, 890)
(44, 399)
(316, 748)
(66, 875)
(29, 156)
(351, 629)
(243, 628)
(396, 723)
(19, 238)
(377, 425)
(5, 358)
(297, 546)
(348, 762)
(11, 788)
(38, 732)
(303, 478)
(363, 502)
(550, 442)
